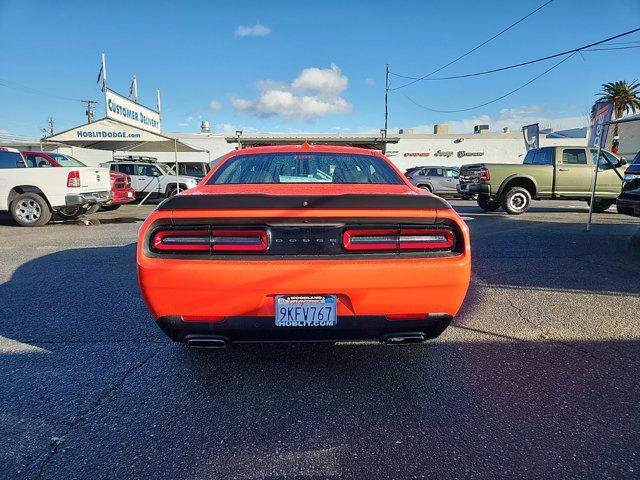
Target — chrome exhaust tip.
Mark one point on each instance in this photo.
(401, 338)
(203, 341)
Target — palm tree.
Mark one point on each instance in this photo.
(625, 97)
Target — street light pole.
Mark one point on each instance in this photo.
(386, 99)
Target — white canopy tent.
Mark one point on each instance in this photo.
(112, 135)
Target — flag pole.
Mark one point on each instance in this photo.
(135, 89)
(104, 73)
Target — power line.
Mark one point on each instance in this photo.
(612, 48)
(508, 67)
(33, 91)
(480, 45)
(496, 99)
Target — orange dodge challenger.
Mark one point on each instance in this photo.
(303, 243)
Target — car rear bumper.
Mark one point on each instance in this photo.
(122, 196)
(87, 198)
(628, 204)
(474, 189)
(255, 329)
(232, 288)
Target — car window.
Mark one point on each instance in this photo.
(540, 156)
(66, 160)
(312, 167)
(452, 173)
(9, 159)
(148, 170)
(575, 156)
(127, 168)
(604, 156)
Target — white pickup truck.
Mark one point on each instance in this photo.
(33, 195)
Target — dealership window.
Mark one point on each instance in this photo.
(575, 156)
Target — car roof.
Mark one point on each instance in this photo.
(9, 149)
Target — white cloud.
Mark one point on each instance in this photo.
(314, 93)
(326, 80)
(369, 81)
(214, 105)
(257, 30)
(513, 118)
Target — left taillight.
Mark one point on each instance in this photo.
(210, 241)
(73, 179)
(399, 239)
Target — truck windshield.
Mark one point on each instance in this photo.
(314, 167)
(66, 160)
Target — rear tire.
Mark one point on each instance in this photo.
(426, 187)
(516, 201)
(30, 210)
(488, 205)
(92, 209)
(601, 205)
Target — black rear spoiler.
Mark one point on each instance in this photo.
(262, 201)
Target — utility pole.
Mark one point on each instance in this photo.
(89, 111)
(386, 99)
(51, 128)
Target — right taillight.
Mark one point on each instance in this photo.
(400, 239)
(484, 174)
(73, 179)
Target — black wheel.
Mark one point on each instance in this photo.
(516, 201)
(30, 210)
(109, 208)
(171, 191)
(426, 187)
(72, 213)
(601, 205)
(487, 203)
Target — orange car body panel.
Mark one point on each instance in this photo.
(211, 288)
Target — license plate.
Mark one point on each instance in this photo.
(306, 310)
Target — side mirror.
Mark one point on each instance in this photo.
(622, 162)
(156, 174)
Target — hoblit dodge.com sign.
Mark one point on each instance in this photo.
(125, 111)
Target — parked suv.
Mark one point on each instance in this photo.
(150, 177)
(32, 195)
(438, 180)
(629, 200)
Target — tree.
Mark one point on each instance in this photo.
(625, 97)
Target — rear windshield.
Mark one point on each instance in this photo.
(292, 167)
(66, 160)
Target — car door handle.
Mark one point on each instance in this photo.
(564, 169)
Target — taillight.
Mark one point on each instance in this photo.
(73, 179)
(239, 240)
(484, 174)
(182, 241)
(401, 239)
(214, 241)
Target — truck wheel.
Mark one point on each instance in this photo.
(516, 201)
(487, 204)
(601, 206)
(92, 209)
(30, 210)
(426, 187)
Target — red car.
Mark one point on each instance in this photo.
(120, 182)
(303, 243)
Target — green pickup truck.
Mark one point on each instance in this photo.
(546, 173)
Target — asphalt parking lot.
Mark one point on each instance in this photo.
(538, 376)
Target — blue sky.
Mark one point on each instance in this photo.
(316, 66)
